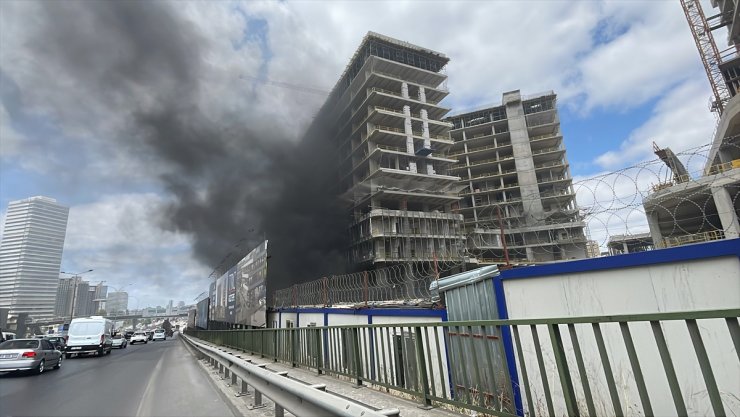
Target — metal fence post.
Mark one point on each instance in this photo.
(319, 355)
(275, 343)
(356, 356)
(566, 383)
(262, 344)
(422, 367)
(295, 336)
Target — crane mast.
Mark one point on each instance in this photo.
(708, 52)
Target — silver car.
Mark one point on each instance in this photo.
(34, 355)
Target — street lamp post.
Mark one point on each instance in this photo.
(76, 277)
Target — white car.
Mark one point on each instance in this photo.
(159, 335)
(139, 337)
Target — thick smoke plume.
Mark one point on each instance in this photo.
(235, 176)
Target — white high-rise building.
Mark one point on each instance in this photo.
(31, 255)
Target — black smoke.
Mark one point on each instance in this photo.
(234, 178)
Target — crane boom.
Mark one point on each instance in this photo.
(708, 52)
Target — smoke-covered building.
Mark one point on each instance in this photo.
(386, 124)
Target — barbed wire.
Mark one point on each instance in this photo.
(597, 208)
(408, 282)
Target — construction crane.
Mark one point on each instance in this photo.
(708, 52)
(283, 84)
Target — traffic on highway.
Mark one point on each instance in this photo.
(89, 336)
(107, 376)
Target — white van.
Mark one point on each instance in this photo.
(89, 336)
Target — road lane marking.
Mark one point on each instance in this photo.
(147, 390)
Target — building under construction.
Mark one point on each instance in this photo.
(690, 208)
(516, 182)
(386, 122)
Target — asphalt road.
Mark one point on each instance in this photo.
(155, 379)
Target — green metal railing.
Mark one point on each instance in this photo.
(469, 364)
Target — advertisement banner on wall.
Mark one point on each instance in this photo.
(191, 318)
(251, 288)
(212, 305)
(201, 314)
(231, 295)
(240, 295)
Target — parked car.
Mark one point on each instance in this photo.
(8, 336)
(119, 341)
(150, 334)
(35, 355)
(159, 335)
(139, 337)
(59, 342)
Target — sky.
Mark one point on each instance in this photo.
(134, 114)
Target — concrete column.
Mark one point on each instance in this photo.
(526, 176)
(4, 318)
(425, 129)
(530, 254)
(726, 212)
(624, 248)
(404, 90)
(422, 94)
(408, 130)
(654, 225)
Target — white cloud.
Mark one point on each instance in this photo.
(10, 138)
(654, 54)
(119, 237)
(681, 120)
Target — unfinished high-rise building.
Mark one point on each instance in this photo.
(386, 123)
(691, 206)
(517, 182)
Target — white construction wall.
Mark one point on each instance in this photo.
(702, 284)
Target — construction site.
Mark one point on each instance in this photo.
(492, 185)
(392, 144)
(696, 207)
(518, 201)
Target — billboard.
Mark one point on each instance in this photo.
(239, 295)
(251, 288)
(201, 314)
(191, 318)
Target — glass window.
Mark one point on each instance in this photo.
(19, 344)
(85, 329)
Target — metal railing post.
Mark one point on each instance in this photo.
(356, 356)
(319, 354)
(566, 383)
(295, 335)
(422, 367)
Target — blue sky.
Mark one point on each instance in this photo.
(626, 73)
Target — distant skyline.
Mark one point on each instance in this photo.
(626, 74)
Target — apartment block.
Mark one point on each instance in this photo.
(72, 291)
(517, 191)
(117, 302)
(391, 142)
